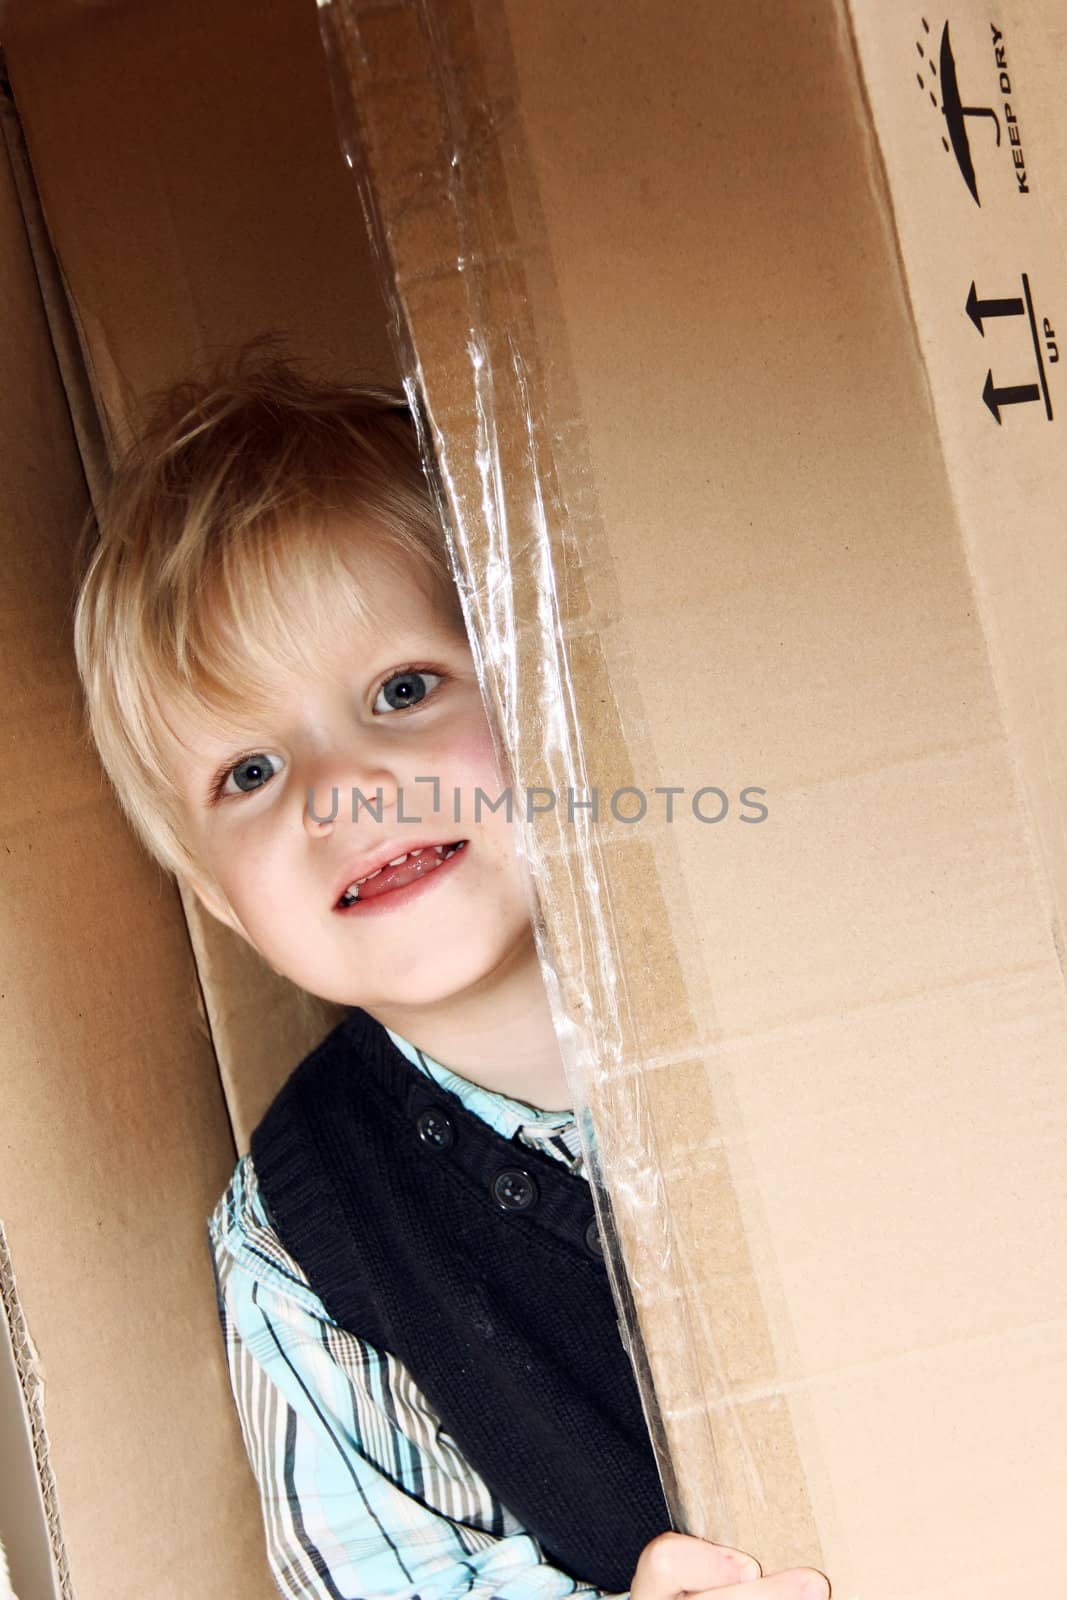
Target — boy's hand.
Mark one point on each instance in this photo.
(676, 1564)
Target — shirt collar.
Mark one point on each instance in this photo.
(503, 1114)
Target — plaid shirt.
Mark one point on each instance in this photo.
(363, 1493)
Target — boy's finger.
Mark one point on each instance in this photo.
(679, 1563)
(799, 1583)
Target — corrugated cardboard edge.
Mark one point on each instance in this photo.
(31, 1382)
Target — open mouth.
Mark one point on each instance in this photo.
(399, 873)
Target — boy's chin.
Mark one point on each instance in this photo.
(465, 976)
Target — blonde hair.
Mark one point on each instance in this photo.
(219, 559)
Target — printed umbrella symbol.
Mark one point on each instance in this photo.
(955, 112)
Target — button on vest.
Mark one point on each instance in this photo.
(514, 1189)
(435, 1128)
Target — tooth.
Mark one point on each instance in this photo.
(442, 851)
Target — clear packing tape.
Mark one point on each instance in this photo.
(502, 442)
(654, 322)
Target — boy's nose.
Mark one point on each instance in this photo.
(318, 821)
(347, 790)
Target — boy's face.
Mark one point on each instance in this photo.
(396, 699)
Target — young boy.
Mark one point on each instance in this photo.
(422, 1344)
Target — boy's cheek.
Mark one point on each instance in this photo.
(473, 758)
(229, 896)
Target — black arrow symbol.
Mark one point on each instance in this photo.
(977, 309)
(1013, 395)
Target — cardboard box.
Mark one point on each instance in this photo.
(686, 290)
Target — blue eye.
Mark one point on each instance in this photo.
(252, 772)
(405, 689)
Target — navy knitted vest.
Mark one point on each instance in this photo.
(474, 1260)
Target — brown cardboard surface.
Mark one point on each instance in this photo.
(698, 377)
(228, 217)
(829, 1093)
(190, 175)
(116, 1142)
